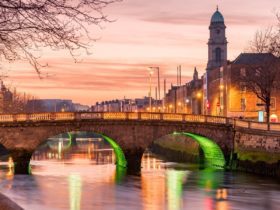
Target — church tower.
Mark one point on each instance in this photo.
(217, 44)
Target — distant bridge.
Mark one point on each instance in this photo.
(128, 133)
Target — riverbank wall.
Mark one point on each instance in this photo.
(257, 153)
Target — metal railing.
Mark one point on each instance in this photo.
(71, 116)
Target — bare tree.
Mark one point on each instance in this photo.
(263, 79)
(263, 76)
(28, 25)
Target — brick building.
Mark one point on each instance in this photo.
(228, 96)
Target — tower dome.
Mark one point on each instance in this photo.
(217, 17)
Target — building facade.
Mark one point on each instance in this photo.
(128, 105)
(229, 96)
(186, 98)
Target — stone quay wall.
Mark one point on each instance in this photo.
(257, 152)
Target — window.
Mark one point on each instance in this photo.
(218, 54)
(258, 72)
(243, 72)
(273, 103)
(243, 104)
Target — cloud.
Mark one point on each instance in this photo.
(204, 19)
(93, 77)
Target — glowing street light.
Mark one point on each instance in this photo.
(179, 105)
(170, 107)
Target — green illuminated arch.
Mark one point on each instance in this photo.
(120, 158)
(70, 135)
(212, 152)
(121, 161)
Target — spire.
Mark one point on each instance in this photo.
(217, 8)
(195, 74)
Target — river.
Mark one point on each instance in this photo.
(84, 177)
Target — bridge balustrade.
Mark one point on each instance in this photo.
(114, 116)
(195, 118)
(21, 117)
(64, 116)
(150, 116)
(138, 116)
(39, 116)
(6, 118)
(214, 119)
(133, 116)
(173, 117)
(89, 116)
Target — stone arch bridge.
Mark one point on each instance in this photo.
(21, 134)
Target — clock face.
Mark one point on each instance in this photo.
(218, 31)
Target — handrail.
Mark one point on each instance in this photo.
(153, 116)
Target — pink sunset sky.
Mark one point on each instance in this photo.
(163, 33)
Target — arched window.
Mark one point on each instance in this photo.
(218, 54)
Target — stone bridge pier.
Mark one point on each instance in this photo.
(21, 139)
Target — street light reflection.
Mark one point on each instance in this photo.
(75, 185)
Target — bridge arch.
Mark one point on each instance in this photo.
(212, 152)
(22, 158)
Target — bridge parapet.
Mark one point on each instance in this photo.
(174, 117)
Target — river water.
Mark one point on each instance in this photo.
(84, 178)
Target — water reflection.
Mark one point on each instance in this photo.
(93, 149)
(175, 181)
(83, 177)
(75, 188)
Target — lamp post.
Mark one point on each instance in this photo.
(180, 107)
(150, 69)
(198, 97)
(187, 104)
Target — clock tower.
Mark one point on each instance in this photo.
(217, 44)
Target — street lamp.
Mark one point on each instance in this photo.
(198, 96)
(151, 72)
(187, 104)
(170, 108)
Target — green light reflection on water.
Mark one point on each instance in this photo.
(175, 181)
